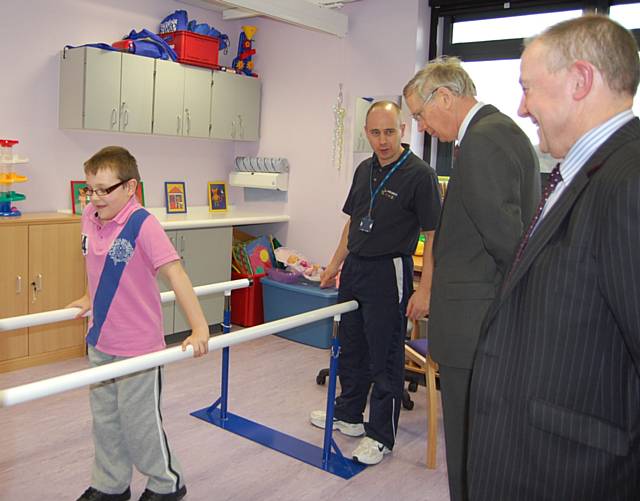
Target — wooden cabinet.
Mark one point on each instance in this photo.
(43, 270)
(206, 257)
(235, 107)
(182, 100)
(106, 90)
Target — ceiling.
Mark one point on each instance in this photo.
(320, 15)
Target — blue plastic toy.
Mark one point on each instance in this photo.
(243, 62)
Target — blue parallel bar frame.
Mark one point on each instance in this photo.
(329, 458)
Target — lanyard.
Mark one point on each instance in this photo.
(386, 178)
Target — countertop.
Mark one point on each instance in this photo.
(200, 217)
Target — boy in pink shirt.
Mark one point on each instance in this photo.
(125, 247)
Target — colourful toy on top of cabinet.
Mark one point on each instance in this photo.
(243, 63)
(8, 176)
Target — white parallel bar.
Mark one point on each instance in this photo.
(50, 317)
(52, 386)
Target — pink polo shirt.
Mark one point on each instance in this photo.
(133, 325)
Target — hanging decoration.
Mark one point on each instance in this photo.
(338, 129)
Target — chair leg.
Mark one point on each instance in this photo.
(432, 414)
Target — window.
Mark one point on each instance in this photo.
(628, 15)
(508, 27)
(490, 44)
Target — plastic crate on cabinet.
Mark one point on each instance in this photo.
(246, 304)
(284, 300)
(193, 48)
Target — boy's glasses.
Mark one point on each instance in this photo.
(103, 192)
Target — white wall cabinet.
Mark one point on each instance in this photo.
(206, 257)
(116, 91)
(235, 107)
(182, 100)
(106, 90)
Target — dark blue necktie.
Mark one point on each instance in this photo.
(554, 178)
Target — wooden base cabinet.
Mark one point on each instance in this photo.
(43, 270)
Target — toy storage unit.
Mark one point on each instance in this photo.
(284, 300)
(193, 48)
(246, 304)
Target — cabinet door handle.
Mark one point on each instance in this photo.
(126, 117)
(178, 124)
(36, 286)
(233, 129)
(181, 244)
(114, 117)
(19, 284)
(240, 128)
(121, 113)
(188, 115)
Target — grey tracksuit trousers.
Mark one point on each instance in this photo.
(127, 431)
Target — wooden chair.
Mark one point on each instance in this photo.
(416, 351)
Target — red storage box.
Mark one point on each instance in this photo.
(193, 48)
(246, 304)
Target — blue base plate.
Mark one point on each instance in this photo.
(286, 444)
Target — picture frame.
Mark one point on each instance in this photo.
(140, 193)
(175, 197)
(217, 195)
(79, 199)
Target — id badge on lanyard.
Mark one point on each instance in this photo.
(366, 223)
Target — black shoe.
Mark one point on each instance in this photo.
(92, 494)
(148, 495)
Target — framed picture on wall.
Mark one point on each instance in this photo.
(140, 193)
(79, 197)
(217, 191)
(175, 196)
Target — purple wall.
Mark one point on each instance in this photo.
(300, 70)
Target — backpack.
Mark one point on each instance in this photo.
(178, 21)
(146, 43)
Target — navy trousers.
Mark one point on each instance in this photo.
(372, 342)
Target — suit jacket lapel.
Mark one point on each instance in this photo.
(486, 110)
(548, 226)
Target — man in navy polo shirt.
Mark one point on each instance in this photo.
(394, 195)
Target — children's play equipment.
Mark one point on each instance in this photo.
(328, 458)
(243, 62)
(9, 176)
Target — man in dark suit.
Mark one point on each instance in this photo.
(555, 395)
(492, 193)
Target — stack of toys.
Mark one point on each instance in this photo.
(9, 176)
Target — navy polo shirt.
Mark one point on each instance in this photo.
(408, 202)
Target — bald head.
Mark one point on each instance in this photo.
(389, 106)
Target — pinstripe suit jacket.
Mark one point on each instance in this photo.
(555, 395)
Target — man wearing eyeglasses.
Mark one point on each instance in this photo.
(491, 197)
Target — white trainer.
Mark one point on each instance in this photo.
(318, 418)
(370, 451)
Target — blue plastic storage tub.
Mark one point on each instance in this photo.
(284, 300)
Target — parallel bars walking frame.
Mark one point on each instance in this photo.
(329, 458)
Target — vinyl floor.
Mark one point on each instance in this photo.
(46, 448)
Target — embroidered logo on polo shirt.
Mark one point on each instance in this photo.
(391, 195)
(121, 251)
